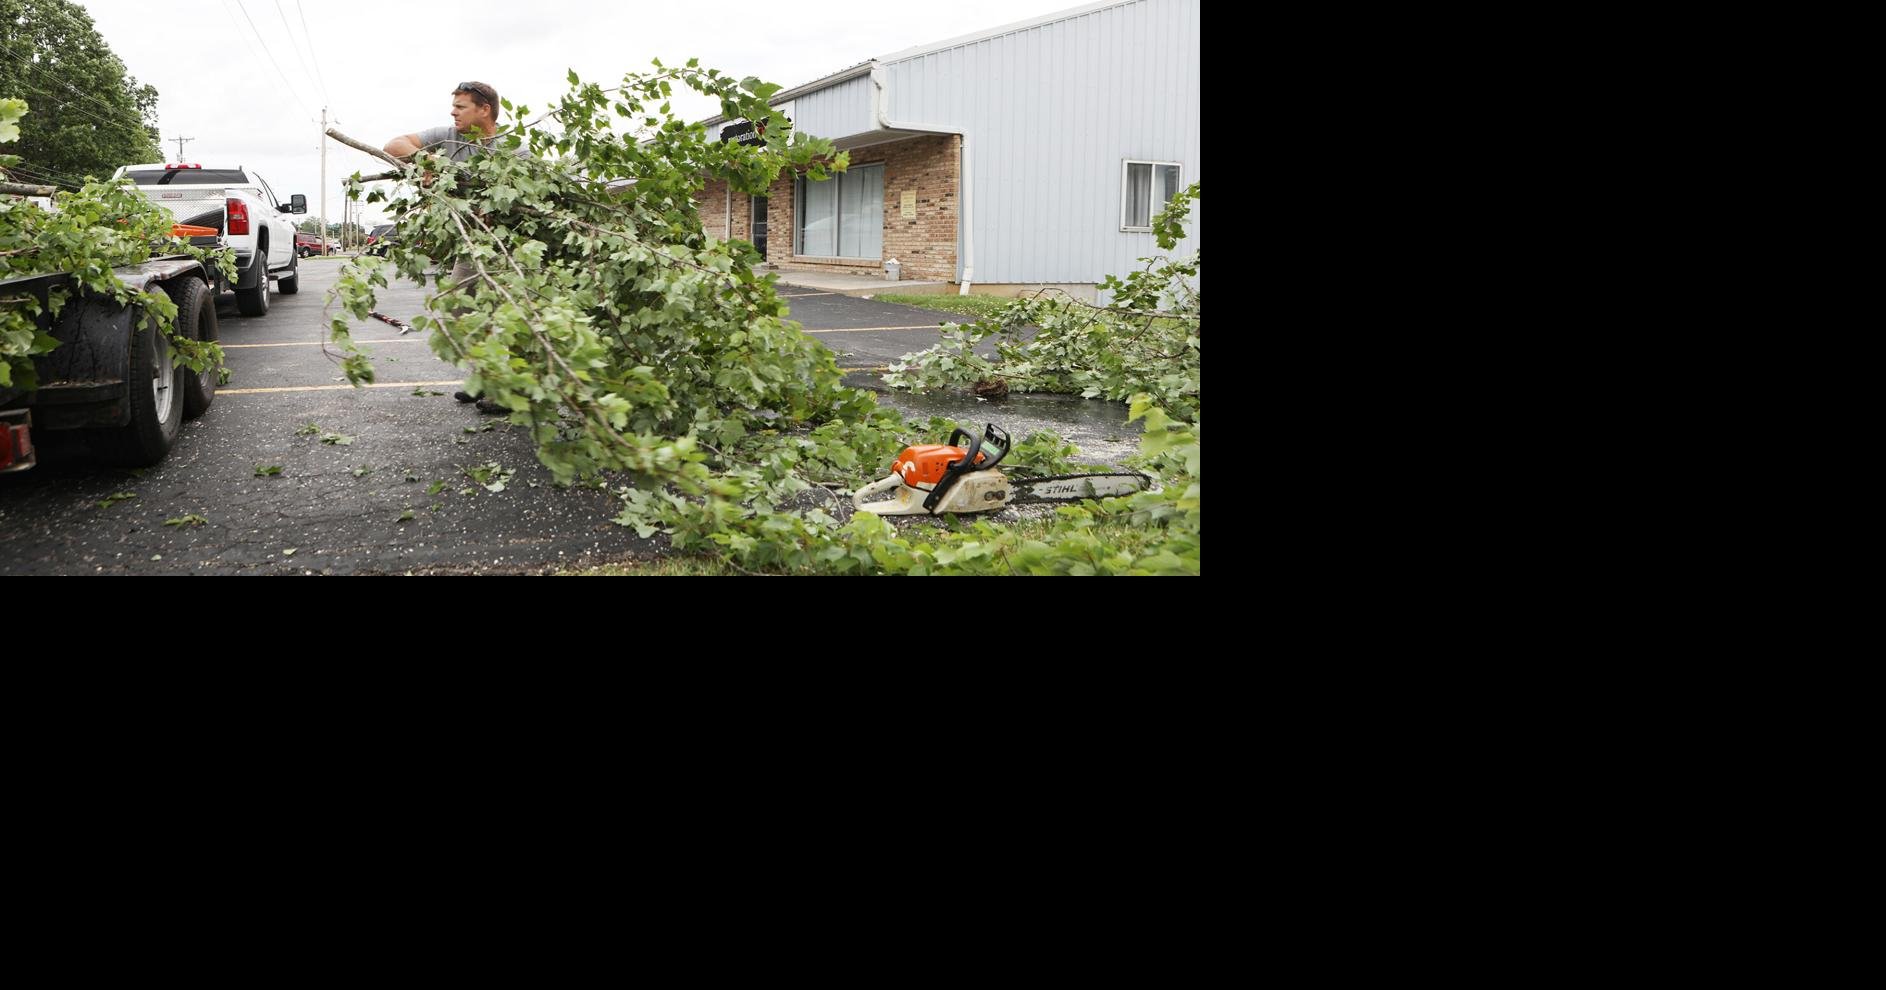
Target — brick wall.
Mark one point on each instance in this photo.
(925, 244)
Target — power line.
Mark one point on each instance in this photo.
(46, 176)
(47, 180)
(81, 94)
(271, 59)
(290, 32)
(308, 36)
(65, 101)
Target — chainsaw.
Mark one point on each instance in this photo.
(932, 478)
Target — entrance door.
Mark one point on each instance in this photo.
(758, 226)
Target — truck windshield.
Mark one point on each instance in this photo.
(188, 177)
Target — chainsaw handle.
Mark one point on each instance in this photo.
(968, 463)
(879, 487)
(990, 433)
(956, 469)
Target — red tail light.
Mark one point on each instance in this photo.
(16, 444)
(238, 216)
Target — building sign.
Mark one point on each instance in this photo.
(910, 204)
(742, 132)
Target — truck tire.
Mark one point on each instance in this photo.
(196, 318)
(154, 391)
(291, 282)
(253, 301)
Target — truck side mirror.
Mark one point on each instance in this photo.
(297, 203)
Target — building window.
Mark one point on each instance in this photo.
(1146, 187)
(842, 217)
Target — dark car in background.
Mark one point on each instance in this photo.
(378, 238)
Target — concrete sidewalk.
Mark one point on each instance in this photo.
(848, 284)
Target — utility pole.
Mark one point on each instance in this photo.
(323, 140)
(180, 142)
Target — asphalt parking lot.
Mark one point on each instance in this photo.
(373, 480)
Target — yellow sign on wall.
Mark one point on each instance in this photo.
(910, 204)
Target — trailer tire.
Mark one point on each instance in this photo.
(154, 391)
(196, 319)
(253, 301)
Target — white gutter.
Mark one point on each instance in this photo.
(963, 201)
(729, 236)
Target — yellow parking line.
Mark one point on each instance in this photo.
(318, 343)
(329, 388)
(927, 326)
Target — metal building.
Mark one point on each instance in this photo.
(1025, 155)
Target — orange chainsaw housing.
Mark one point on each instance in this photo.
(926, 464)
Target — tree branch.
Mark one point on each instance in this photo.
(369, 149)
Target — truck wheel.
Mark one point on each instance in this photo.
(291, 282)
(253, 301)
(154, 389)
(196, 318)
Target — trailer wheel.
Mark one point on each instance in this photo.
(291, 282)
(253, 301)
(154, 389)
(196, 318)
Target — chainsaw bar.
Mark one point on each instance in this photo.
(1075, 487)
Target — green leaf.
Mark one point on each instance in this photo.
(406, 516)
(11, 110)
(267, 470)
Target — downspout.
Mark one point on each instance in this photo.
(962, 170)
(729, 236)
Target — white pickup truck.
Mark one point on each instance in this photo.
(246, 214)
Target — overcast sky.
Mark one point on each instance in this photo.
(384, 69)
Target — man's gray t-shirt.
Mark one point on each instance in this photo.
(446, 141)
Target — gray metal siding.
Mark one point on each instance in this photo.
(836, 111)
(1050, 113)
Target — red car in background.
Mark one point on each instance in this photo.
(307, 244)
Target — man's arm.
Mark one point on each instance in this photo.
(402, 147)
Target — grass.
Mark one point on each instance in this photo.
(971, 306)
(660, 567)
(1116, 533)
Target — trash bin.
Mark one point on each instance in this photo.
(892, 270)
